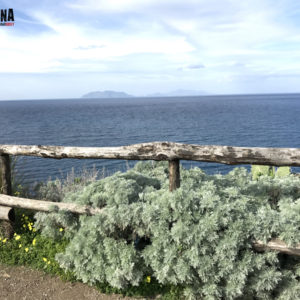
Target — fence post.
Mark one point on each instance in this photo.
(7, 214)
(174, 175)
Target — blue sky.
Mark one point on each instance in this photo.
(63, 49)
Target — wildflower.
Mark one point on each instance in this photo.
(44, 259)
(29, 227)
(24, 225)
(61, 229)
(4, 241)
(20, 245)
(17, 237)
(148, 279)
(33, 242)
(26, 249)
(33, 230)
(49, 262)
(26, 218)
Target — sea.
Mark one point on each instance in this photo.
(268, 120)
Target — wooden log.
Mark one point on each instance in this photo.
(166, 151)
(174, 175)
(278, 245)
(41, 205)
(6, 214)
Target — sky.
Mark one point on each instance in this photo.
(64, 49)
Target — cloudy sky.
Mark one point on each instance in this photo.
(63, 49)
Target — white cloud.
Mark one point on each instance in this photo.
(169, 40)
(43, 53)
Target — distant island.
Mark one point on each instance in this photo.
(107, 94)
(114, 94)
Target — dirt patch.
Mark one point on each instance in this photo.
(22, 283)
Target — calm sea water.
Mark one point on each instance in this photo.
(248, 120)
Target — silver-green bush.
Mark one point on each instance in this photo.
(199, 236)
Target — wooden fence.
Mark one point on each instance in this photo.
(168, 151)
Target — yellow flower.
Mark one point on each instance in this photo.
(17, 237)
(23, 215)
(49, 262)
(148, 279)
(26, 218)
(44, 259)
(61, 229)
(33, 230)
(29, 227)
(26, 249)
(33, 242)
(24, 225)
(4, 241)
(20, 245)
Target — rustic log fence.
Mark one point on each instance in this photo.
(168, 151)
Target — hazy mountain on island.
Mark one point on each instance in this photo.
(178, 93)
(114, 94)
(107, 94)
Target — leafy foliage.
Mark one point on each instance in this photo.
(198, 237)
(258, 170)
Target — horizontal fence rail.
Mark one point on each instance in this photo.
(169, 151)
(41, 205)
(166, 151)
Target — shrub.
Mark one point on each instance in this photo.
(258, 170)
(55, 190)
(198, 237)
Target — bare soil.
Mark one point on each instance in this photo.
(22, 283)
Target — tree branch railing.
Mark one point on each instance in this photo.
(168, 151)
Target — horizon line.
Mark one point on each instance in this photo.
(153, 97)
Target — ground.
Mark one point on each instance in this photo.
(23, 283)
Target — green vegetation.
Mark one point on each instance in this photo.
(28, 247)
(195, 242)
(258, 171)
